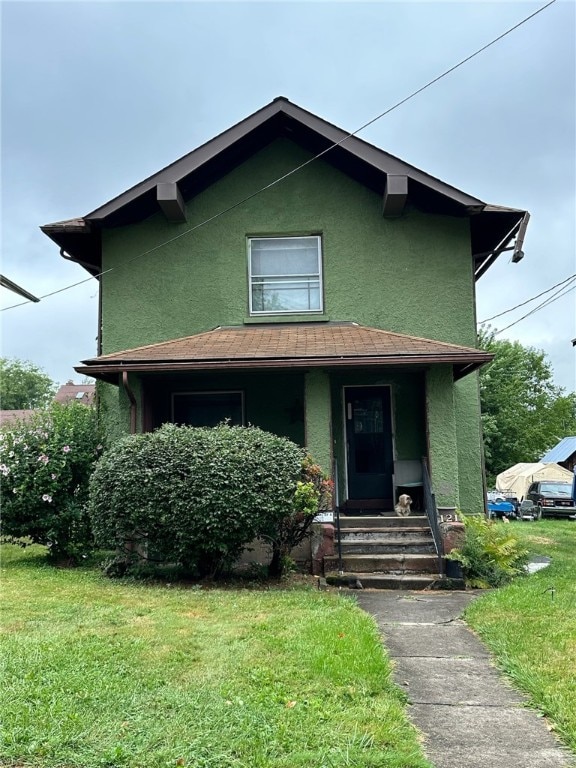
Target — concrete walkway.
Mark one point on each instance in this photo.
(469, 716)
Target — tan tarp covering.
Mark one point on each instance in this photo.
(519, 477)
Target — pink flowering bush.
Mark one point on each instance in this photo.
(45, 465)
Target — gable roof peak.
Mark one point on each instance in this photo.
(492, 228)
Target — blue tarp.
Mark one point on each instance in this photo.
(501, 508)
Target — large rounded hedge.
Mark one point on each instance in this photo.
(193, 496)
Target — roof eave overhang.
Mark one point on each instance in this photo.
(289, 114)
(109, 370)
(516, 222)
(79, 241)
(82, 242)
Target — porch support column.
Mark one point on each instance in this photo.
(442, 440)
(317, 418)
(130, 401)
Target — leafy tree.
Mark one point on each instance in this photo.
(45, 465)
(24, 385)
(524, 413)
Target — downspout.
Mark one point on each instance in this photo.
(97, 277)
(99, 337)
(132, 402)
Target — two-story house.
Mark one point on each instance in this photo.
(290, 276)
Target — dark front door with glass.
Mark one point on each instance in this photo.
(369, 443)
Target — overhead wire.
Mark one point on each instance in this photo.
(522, 304)
(302, 165)
(566, 290)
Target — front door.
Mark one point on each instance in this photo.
(369, 442)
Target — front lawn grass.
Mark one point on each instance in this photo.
(107, 674)
(531, 625)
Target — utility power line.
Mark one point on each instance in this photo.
(533, 298)
(566, 290)
(302, 165)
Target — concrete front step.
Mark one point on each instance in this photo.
(380, 580)
(386, 534)
(379, 521)
(396, 563)
(388, 546)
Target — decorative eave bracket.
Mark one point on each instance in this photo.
(395, 194)
(171, 202)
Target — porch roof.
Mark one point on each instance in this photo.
(274, 346)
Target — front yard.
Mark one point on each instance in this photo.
(110, 674)
(104, 674)
(530, 625)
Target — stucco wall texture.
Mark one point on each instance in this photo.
(412, 275)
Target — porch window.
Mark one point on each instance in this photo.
(207, 409)
(285, 274)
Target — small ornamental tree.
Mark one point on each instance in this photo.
(193, 496)
(313, 494)
(45, 465)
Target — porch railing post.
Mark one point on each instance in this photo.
(432, 515)
(337, 514)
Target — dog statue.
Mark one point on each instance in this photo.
(403, 509)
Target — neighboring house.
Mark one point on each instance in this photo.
(10, 417)
(336, 307)
(67, 393)
(564, 453)
(75, 393)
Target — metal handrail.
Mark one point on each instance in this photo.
(337, 514)
(432, 514)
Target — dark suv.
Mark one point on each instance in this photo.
(549, 498)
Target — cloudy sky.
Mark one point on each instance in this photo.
(98, 95)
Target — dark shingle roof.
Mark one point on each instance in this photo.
(289, 345)
(11, 416)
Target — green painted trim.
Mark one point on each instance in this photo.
(286, 319)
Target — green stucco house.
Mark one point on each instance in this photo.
(291, 276)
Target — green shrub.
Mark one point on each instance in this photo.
(491, 555)
(194, 496)
(45, 465)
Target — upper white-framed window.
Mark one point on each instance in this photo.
(285, 275)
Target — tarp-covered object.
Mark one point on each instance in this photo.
(519, 477)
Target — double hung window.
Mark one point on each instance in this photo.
(285, 274)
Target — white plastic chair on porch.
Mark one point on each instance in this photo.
(408, 477)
